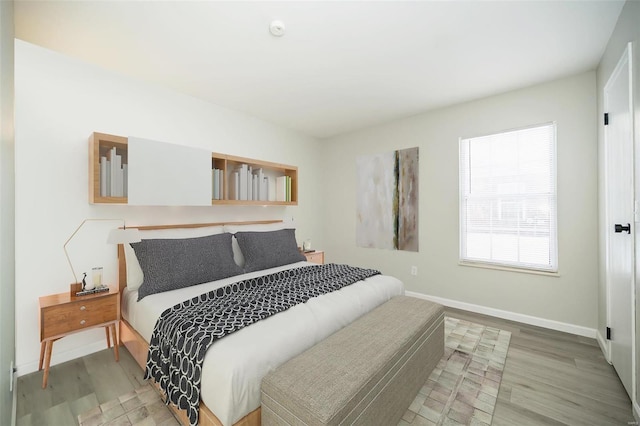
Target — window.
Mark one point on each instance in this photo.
(508, 199)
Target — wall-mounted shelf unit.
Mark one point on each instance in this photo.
(265, 183)
(270, 189)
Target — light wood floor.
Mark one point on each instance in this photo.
(554, 378)
(75, 387)
(550, 378)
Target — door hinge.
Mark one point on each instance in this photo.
(12, 373)
(608, 333)
(606, 118)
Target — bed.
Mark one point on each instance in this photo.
(234, 366)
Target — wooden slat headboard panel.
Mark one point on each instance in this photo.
(122, 264)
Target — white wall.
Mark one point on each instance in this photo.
(627, 29)
(59, 102)
(7, 179)
(570, 298)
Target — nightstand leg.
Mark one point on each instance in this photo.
(115, 342)
(42, 347)
(47, 361)
(106, 329)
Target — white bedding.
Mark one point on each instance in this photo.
(234, 366)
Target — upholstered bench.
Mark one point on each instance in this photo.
(368, 373)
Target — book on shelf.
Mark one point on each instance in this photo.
(214, 184)
(120, 178)
(271, 182)
(281, 188)
(114, 173)
(256, 188)
(234, 186)
(221, 185)
(258, 191)
(108, 180)
(125, 181)
(243, 181)
(264, 189)
(103, 176)
(249, 182)
(217, 184)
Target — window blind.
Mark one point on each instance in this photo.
(508, 199)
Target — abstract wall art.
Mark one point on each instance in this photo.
(387, 200)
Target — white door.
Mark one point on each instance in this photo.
(620, 220)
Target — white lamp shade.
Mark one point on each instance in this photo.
(123, 236)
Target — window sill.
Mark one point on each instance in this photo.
(509, 269)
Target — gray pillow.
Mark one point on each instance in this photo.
(262, 250)
(169, 264)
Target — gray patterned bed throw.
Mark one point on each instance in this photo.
(184, 332)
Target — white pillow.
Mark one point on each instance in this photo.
(134, 271)
(257, 227)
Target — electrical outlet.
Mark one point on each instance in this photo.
(414, 271)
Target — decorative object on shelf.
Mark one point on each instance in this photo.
(116, 236)
(306, 245)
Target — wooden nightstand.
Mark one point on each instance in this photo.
(315, 257)
(61, 315)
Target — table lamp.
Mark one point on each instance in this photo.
(121, 235)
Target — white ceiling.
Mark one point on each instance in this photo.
(341, 66)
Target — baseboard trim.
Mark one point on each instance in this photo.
(604, 346)
(60, 357)
(14, 402)
(512, 316)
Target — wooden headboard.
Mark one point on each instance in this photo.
(122, 264)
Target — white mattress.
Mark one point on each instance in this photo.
(234, 366)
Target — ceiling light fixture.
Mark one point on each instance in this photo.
(277, 28)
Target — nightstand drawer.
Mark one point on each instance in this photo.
(315, 257)
(77, 315)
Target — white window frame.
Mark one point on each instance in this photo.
(465, 260)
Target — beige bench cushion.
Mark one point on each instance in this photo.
(366, 373)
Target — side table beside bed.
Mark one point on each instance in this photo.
(62, 314)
